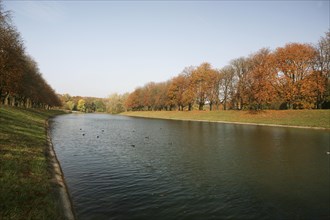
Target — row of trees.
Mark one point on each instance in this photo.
(21, 83)
(83, 104)
(114, 104)
(295, 76)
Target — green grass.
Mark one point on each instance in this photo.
(305, 118)
(26, 191)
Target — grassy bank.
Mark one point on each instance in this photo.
(26, 191)
(305, 118)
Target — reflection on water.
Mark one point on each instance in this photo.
(131, 168)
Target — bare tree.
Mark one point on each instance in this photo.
(322, 69)
(240, 66)
(226, 89)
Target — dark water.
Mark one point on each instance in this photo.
(159, 169)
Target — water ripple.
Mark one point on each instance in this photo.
(127, 168)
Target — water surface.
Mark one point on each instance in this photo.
(119, 167)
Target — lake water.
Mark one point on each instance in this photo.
(134, 168)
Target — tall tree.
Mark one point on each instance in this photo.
(177, 88)
(189, 93)
(241, 67)
(81, 105)
(11, 56)
(261, 80)
(21, 83)
(161, 99)
(202, 82)
(213, 91)
(135, 100)
(322, 71)
(294, 62)
(226, 88)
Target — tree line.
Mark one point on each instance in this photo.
(21, 83)
(295, 76)
(83, 104)
(114, 103)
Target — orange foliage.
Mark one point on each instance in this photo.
(294, 63)
(260, 80)
(21, 83)
(294, 76)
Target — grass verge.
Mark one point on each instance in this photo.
(26, 190)
(302, 118)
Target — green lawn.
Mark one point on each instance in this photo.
(305, 118)
(26, 191)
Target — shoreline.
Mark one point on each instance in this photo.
(232, 122)
(58, 178)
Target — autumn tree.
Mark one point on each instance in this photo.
(261, 80)
(203, 83)
(177, 89)
(152, 96)
(70, 105)
(21, 83)
(33, 90)
(67, 102)
(181, 91)
(100, 106)
(189, 94)
(11, 57)
(31, 81)
(294, 76)
(81, 105)
(135, 100)
(116, 103)
(90, 106)
(200, 84)
(294, 63)
(161, 98)
(213, 91)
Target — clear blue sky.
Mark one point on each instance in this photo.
(95, 48)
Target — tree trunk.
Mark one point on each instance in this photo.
(27, 103)
(5, 101)
(240, 103)
(211, 105)
(12, 101)
(201, 105)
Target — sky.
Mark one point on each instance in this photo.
(96, 48)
